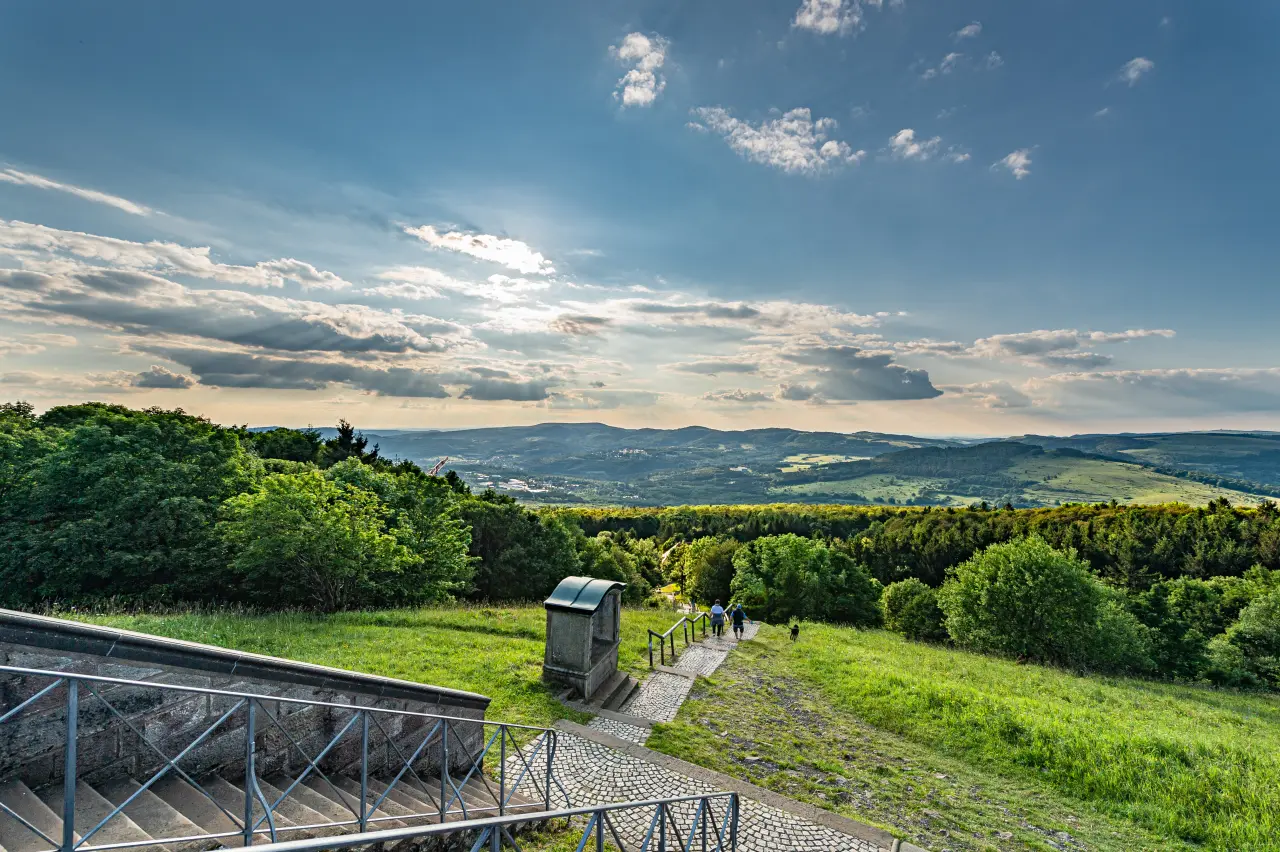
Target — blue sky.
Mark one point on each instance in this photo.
(944, 218)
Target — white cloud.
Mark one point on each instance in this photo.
(946, 66)
(793, 142)
(972, 30)
(1167, 391)
(956, 155)
(29, 179)
(1133, 70)
(994, 60)
(1062, 348)
(51, 339)
(992, 394)
(738, 396)
(827, 17)
(835, 17)
(19, 347)
(168, 257)
(512, 254)
(1102, 112)
(642, 84)
(423, 282)
(903, 145)
(1018, 163)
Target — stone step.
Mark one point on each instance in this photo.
(154, 815)
(14, 836)
(622, 693)
(298, 811)
(196, 807)
(334, 811)
(615, 682)
(231, 797)
(91, 809)
(347, 795)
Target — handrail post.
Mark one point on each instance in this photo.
(249, 772)
(705, 807)
(444, 769)
(551, 750)
(733, 826)
(650, 649)
(502, 770)
(364, 771)
(599, 831)
(662, 827)
(69, 767)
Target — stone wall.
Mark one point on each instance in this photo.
(32, 743)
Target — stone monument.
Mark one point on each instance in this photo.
(584, 629)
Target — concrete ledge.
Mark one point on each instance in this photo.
(833, 821)
(56, 634)
(677, 672)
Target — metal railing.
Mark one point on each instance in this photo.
(527, 765)
(689, 623)
(680, 824)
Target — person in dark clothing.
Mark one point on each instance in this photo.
(739, 618)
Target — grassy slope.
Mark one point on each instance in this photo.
(972, 753)
(496, 651)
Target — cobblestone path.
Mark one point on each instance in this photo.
(593, 773)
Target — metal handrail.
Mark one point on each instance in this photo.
(707, 832)
(442, 731)
(689, 624)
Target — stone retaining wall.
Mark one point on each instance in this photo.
(32, 744)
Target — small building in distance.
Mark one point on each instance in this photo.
(584, 629)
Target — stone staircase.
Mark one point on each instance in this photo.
(178, 813)
(616, 692)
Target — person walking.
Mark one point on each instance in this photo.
(717, 619)
(739, 618)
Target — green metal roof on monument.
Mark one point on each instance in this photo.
(581, 594)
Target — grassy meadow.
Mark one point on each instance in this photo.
(496, 651)
(967, 752)
(956, 750)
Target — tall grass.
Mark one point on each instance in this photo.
(1186, 762)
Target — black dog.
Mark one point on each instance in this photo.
(795, 631)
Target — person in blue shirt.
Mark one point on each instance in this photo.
(717, 619)
(738, 616)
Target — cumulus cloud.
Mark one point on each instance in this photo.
(794, 141)
(714, 366)
(1018, 163)
(992, 394)
(946, 66)
(170, 258)
(1134, 70)
(737, 397)
(579, 325)
(927, 346)
(834, 17)
(162, 377)
(645, 56)
(19, 347)
(231, 369)
(51, 339)
(1064, 348)
(841, 373)
(422, 282)
(505, 389)
(1168, 391)
(994, 60)
(904, 145)
(28, 179)
(145, 304)
(972, 30)
(512, 254)
(594, 399)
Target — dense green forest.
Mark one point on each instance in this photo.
(105, 505)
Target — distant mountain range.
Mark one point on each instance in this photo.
(598, 464)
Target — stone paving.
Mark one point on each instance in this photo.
(593, 773)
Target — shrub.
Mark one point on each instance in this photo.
(707, 568)
(1025, 599)
(780, 577)
(1248, 653)
(853, 595)
(911, 608)
(303, 540)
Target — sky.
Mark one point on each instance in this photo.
(936, 218)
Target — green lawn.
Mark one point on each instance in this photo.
(967, 752)
(496, 651)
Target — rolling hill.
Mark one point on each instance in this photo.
(593, 463)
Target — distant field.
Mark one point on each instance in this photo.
(971, 753)
(1057, 480)
(804, 461)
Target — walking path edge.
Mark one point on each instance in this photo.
(833, 821)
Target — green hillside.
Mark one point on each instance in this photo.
(596, 464)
